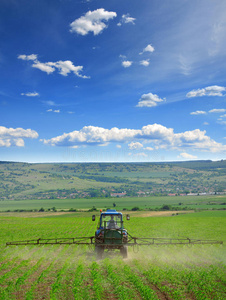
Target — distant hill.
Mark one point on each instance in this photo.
(78, 180)
(202, 164)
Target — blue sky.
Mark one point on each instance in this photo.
(112, 80)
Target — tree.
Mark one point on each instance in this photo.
(135, 208)
(166, 207)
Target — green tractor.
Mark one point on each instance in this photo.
(110, 233)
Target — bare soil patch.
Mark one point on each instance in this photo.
(161, 213)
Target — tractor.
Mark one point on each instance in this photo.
(110, 233)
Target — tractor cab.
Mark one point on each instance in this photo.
(111, 219)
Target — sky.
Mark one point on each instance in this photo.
(112, 80)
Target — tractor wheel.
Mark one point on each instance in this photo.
(99, 251)
(124, 252)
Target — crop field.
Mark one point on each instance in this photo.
(151, 202)
(73, 272)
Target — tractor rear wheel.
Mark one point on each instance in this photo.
(124, 251)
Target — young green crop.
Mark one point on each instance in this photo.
(72, 272)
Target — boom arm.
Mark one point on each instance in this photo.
(58, 241)
(132, 241)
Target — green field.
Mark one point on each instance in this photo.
(72, 272)
(151, 202)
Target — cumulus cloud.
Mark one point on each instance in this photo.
(149, 48)
(158, 135)
(28, 57)
(187, 156)
(149, 100)
(127, 63)
(213, 90)
(126, 19)
(198, 112)
(15, 136)
(135, 146)
(34, 94)
(217, 110)
(149, 148)
(92, 21)
(63, 67)
(145, 62)
(44, 67)
(55, 111)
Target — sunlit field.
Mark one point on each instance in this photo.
(150, 272)
(150, 202)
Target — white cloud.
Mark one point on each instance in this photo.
(64, 67)
(149, 148)
(187, 156)
(126, 63)
(15, 137)
(149, 48)
(217, 110)
(126, 19)
(34, 94)
(198, 112)
(28, 57)
(160, 136)
(135, 146)
(49, 102)
(45, 67)
(213, 90)
(92, 21)
(149, 100)
(55, 111)
(118, 146)
(145, 62)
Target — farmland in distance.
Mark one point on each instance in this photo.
(20, 181)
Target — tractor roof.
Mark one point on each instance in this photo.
(111, 212)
